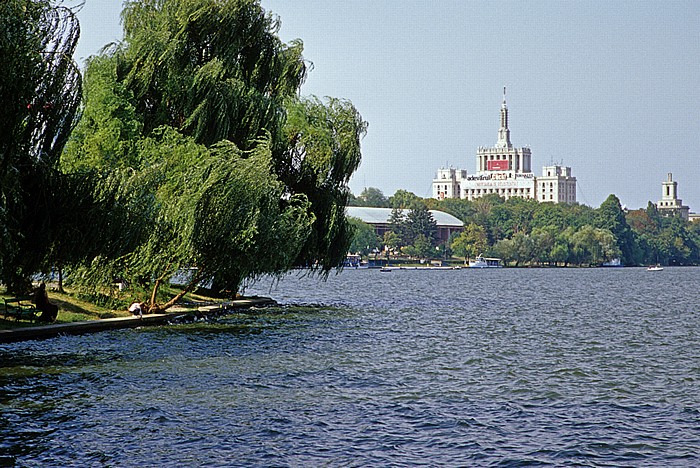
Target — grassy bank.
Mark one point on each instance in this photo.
(72, 308)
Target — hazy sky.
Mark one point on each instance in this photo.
(609, 88)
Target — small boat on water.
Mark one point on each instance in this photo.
(483, 262)
(656, 267)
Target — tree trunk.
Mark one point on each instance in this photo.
(155, 308)
(60, 280)
(152, 306)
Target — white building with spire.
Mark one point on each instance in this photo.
(670, 204)
(506, 170)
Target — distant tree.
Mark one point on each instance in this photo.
(458, 207)
(562, 251)
(371, 196)
(610, 216)
(403, 199)
(641, 223)
(653, 213)
(353, 201)
(543, 242)
(420, 222)
(392, 240)
(506, 250)
(593, 246)
(677, 244)
(422, 248)
(397, 225)
(523, 247)
(551, 214)
(482, 213)
(470, 242)
(365, 240)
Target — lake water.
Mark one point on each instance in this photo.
(509, 367)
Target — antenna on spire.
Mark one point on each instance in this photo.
(504, 94)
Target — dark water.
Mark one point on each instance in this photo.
(440, 368)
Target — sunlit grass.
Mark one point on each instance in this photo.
(75, 308)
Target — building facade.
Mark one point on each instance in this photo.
(670, 204)
(506, 170)
(556, 185)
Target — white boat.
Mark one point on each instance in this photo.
(656, 267)
(483, 262)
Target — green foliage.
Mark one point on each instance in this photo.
(422, 247)
(404, 199)
(470, 242)
(420, 222)
(595, 245)
(39, 94)
(392, 240)
(324, 151)
(408, 227)
(109, 127)
(610, 216)
(213, 69)
(458, 207)
(235, 175)
(364, 238)
(370, 196)
(241, 229)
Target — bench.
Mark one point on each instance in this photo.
(21, 308)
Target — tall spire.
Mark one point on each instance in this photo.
(503, 132)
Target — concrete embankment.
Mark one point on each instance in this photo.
(93, 326)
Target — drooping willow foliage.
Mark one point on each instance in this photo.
(194, 150)
(57, 93)
(238, 175)
(40, 89)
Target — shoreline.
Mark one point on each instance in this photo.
(95, 326)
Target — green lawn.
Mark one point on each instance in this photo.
(73, 309)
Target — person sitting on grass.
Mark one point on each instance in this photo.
(49, 311)
(137, 308)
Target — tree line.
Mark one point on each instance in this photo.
(185, 147)
(527, 232)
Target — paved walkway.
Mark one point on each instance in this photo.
(93, 326)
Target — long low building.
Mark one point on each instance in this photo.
(379, 218)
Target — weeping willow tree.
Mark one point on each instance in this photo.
(198, 108)
(39, 96)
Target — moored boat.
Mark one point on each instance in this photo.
(656, 267)
(484, 262)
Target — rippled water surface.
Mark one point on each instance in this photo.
(506, 367)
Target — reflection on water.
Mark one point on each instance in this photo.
(511, 367)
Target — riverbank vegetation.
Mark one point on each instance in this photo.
(525, 232)
(190, 150)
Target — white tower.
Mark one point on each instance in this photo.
(503, 132)
(670, 203)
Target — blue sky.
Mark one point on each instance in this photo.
(609, 88)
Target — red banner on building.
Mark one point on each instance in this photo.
(498, 165)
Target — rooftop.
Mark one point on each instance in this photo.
(382, 216)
